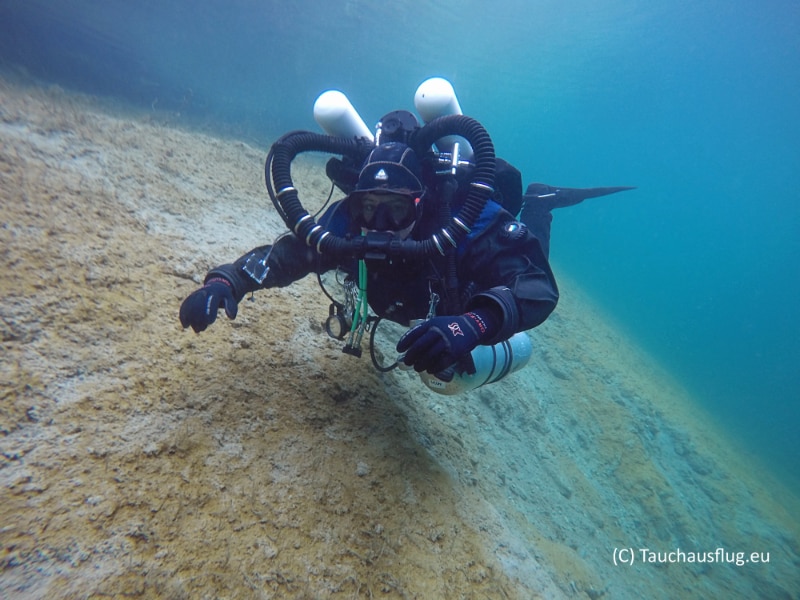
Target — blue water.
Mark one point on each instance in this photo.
(693, 102)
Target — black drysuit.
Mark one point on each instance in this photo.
(500, 264)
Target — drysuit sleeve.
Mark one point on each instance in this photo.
(509, 272)
(274, 265)
(280, 264)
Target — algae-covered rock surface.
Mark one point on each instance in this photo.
(256, 460)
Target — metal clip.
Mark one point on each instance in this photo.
(432, 306)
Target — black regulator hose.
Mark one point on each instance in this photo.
(285, 197)
(482, 181)
(277, 169)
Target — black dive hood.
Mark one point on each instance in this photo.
(297, 219)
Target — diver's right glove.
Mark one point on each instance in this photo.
(200, 308)
(441, 342)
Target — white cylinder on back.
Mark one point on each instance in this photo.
(337, 116)
(435, 97)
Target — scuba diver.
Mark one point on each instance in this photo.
(426, 236)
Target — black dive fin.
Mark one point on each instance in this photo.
(549, 197)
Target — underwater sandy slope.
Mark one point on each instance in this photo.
(258, 461)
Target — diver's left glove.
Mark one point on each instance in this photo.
(440, 342)
(200, 308)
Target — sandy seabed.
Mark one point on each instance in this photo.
(256, 460)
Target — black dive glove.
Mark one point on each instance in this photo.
(200, 308)
(440, 342)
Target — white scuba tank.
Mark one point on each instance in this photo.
(435, 97)
(492, 363)
(337, 116)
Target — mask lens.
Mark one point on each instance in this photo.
(390, 212)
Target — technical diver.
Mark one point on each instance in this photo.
(432, 243)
